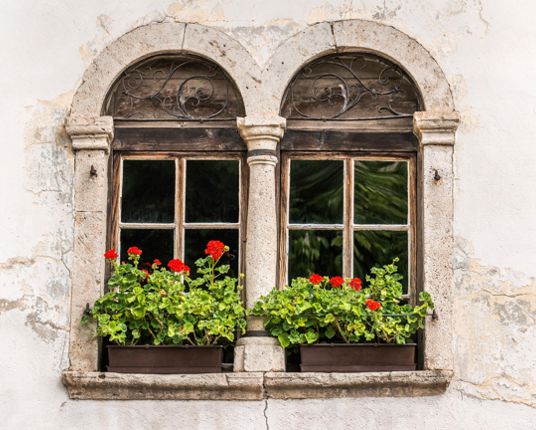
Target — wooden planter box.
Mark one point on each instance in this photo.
(362, 357)
(165, 359)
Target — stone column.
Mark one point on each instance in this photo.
(91, 142)
(436, 133)
(257, 351)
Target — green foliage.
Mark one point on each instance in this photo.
(168, 308)
(305, 313)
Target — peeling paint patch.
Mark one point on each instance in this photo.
(495, 316)
(9, 305)
(43, 319)
(192, 11)
(455, 8)
(385, 12)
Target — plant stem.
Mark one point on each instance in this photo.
(340, 331)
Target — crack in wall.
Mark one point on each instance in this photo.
(265, 413)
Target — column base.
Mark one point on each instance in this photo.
(259, 354)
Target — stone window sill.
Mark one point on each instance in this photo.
(254, 386)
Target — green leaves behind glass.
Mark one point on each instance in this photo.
(377, 248)
(314, 251)
(316, 191)
(381, 192)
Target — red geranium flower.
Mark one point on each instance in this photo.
(373, 304)
(215, 249)
(336, 281)
(315, 278)
(147, 274)
(178, 266)
(111, 254)
(134, 250)
(355, 283)
(157, 262)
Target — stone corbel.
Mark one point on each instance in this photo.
(94, 134)
(435, 128)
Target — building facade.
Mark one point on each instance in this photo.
(448, 81)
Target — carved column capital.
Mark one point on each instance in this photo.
(91, 134)
(261, 136)
(435, 128)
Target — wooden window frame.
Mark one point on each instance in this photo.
(166, 141)
(348, 226)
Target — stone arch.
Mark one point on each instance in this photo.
(357, 35)
(158, 38)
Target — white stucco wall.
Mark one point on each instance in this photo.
(487, 50)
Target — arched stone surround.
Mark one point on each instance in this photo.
(262, 90)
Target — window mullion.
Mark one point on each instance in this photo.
(117, 237)
(412, 231)
(180, 178)
(348, 217)
(284, 220)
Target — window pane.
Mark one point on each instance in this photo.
(153, 243)
(316, 192)
(212, 190)
(148, 191)
(317, 251)
(381, 192)
(195, 242)
(376, 248)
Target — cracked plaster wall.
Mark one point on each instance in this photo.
(486, 49)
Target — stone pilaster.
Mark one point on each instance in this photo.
(257, 351)
(436, 134)
(91, 142)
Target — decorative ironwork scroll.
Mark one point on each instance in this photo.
(183, 87)
(350, 87)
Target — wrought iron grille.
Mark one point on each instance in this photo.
(182, 87)
(350, 87)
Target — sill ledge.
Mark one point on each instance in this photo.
(253, 386)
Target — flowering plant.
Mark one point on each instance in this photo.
(338, 310)
(165, 306)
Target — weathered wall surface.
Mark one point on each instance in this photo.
(486, 49)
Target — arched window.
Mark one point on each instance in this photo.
(178, 163)
(349, 167)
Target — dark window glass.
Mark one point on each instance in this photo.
(212, 190)
(376, 248)
(153, 243)
(381, 192)
(316, 192)
(148, 191)
(195, 242)
(318, 251)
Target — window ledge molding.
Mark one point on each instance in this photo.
(254, 386)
